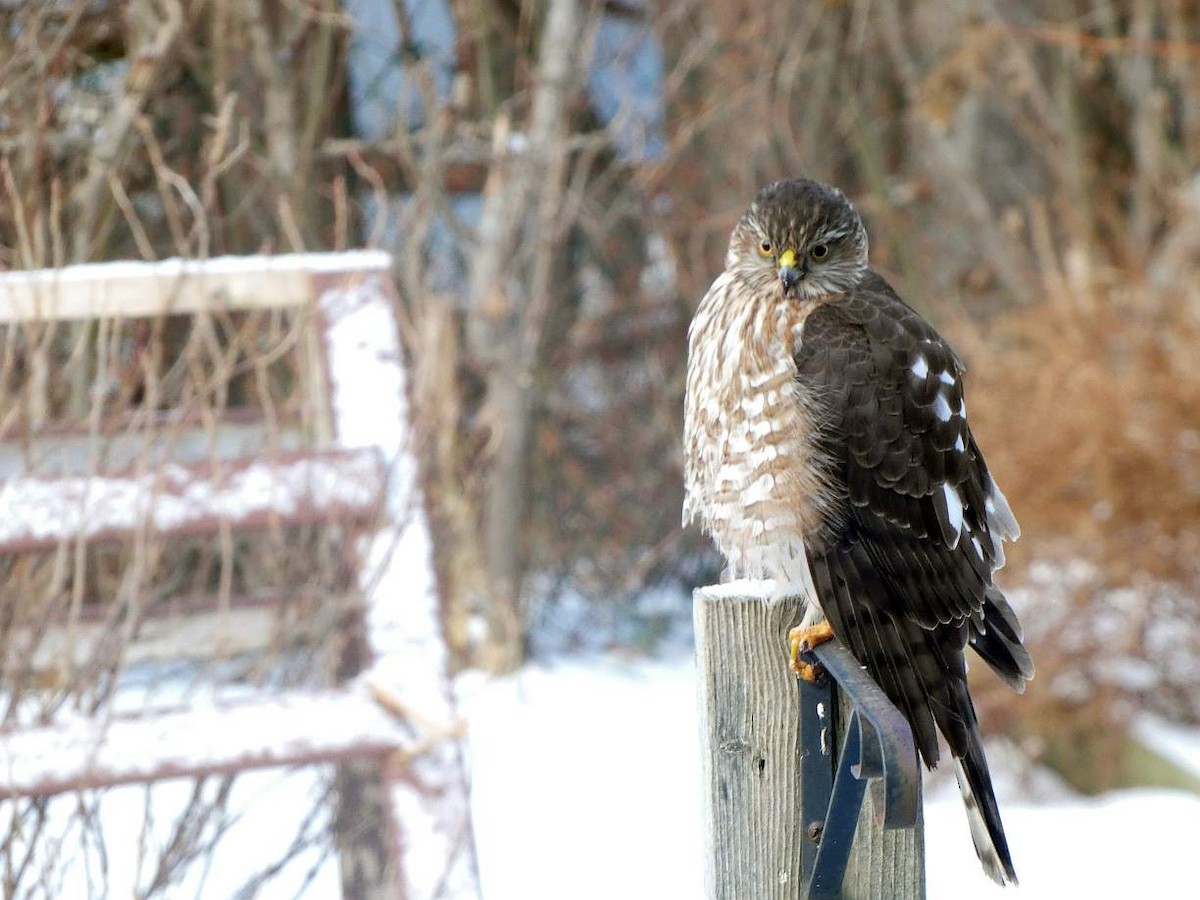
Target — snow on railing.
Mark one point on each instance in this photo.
(338, 485)
(84, 753)
(128, 289)
(367, 385)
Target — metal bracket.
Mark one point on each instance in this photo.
(878, 750)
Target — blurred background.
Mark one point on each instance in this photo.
(557, 181)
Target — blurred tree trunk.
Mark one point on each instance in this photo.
(512, 292)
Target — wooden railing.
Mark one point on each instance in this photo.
(149, 475)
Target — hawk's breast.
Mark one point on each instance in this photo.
(753, 474)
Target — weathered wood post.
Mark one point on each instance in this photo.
(770, 746)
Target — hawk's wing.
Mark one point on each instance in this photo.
(903, 569)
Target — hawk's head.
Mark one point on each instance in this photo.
(801, 235)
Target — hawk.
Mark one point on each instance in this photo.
(827, 448)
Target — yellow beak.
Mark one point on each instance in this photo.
(789, 271)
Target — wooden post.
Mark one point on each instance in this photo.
(755, 734)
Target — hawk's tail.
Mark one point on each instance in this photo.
(983, 813)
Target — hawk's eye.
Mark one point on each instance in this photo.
(765, 248)
(819, 252)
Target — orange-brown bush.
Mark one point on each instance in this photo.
(1090, 410)
(1094, 418)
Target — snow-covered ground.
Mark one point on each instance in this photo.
(586, 779)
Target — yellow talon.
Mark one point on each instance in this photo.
(802, 639)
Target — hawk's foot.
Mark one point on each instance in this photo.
(813, 673)
(801, 640)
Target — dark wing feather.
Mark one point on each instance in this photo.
(903, 569)
(895, 430)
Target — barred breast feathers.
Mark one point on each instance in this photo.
(753, 474)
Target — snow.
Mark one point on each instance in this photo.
(741, 589)
(273, 810)
(403, 624)
(585, 781)
(125, 289)
(586, 784)
(370, 410)
(1177, 743)
(1126, 844)
(368, 379)
(38, 510)
(205, 738)
(57, 455)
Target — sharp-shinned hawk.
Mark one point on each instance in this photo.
(827, 448)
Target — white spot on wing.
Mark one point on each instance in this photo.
(954, 509)
(920, 367)
(959, 445)
(941, 407)
(1000, 514)
(946, 378)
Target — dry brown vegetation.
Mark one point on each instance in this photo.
(1094, 419)
(1091, 413)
